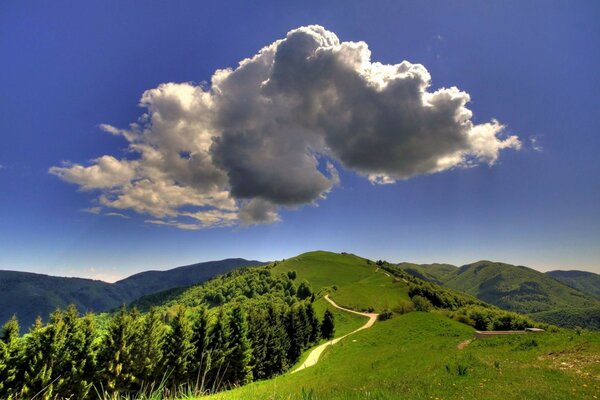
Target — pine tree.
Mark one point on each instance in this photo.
(77, 362)
(259, 333)
(149, 344)
(178, 348)
(10, 353)
(328, 325)
(294, 333)
(304, 328)
(219, 348)
(314, 324)
(3, 364)
(44, 353)
(239, 371)
(116, 357)
(85, 350)
(201, 357)
(278, 342)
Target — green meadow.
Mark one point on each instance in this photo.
(416, 356)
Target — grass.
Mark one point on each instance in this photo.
(415, 356)
(351, 281)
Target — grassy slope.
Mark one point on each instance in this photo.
(359, 284)
(415, 356)
(436, 273)
(587, 282)
(516, 288)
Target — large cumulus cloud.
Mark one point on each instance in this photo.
(265, 135)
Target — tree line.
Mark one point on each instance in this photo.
(181, 349)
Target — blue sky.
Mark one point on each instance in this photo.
(68, 67)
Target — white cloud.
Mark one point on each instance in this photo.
(116, 214)
(534, 141)
(92, 210)
(262, 135)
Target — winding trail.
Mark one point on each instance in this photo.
(314, 355)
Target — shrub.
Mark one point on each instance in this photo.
(385, 315)
(404, 307)
(421, 303)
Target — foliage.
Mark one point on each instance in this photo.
(328, 326)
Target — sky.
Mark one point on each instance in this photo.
(149, 135)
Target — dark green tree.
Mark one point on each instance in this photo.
(239, 370)
(304, 290)
(259, 332)
(328, 325)
(12, 349)
(116, 357)
(219, 348)
(201, 356)
(148, 345)
(278, 342)
(45, 350)
(314, 324)
(178, 349)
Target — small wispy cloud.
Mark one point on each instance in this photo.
(116, 214)
(92, 210)
(534, 142)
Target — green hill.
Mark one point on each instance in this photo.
(31, 295)
(247, 329)
(587, 282)
(515, 288)
(416, 356)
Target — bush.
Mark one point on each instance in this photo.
(421, 303)
(404, 307)
(385, 315)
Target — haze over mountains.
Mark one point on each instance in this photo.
(30, 295)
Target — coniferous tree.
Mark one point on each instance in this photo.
(45, 355)
(294, 332)
(219, 348)
(3, 364)
(314, 324)
(303, 326)
(178, 348)
(278, 342)
(201, 356)
(239, 370)
(116, 357)
(84, 349)
(259, 333)
(149, 344)
(328, 325)
(75, 364)
(9, 381)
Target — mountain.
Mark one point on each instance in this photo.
(587, 282)
(261, 326)
(515, 288)
(29, 295)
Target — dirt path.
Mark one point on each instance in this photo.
(314, 355)
(464, 344)
(383, 272)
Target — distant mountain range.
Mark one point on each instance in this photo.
(29, 295)
(569, 298)
(587, 282)
(551, 297)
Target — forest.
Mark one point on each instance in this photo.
(259, 333)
